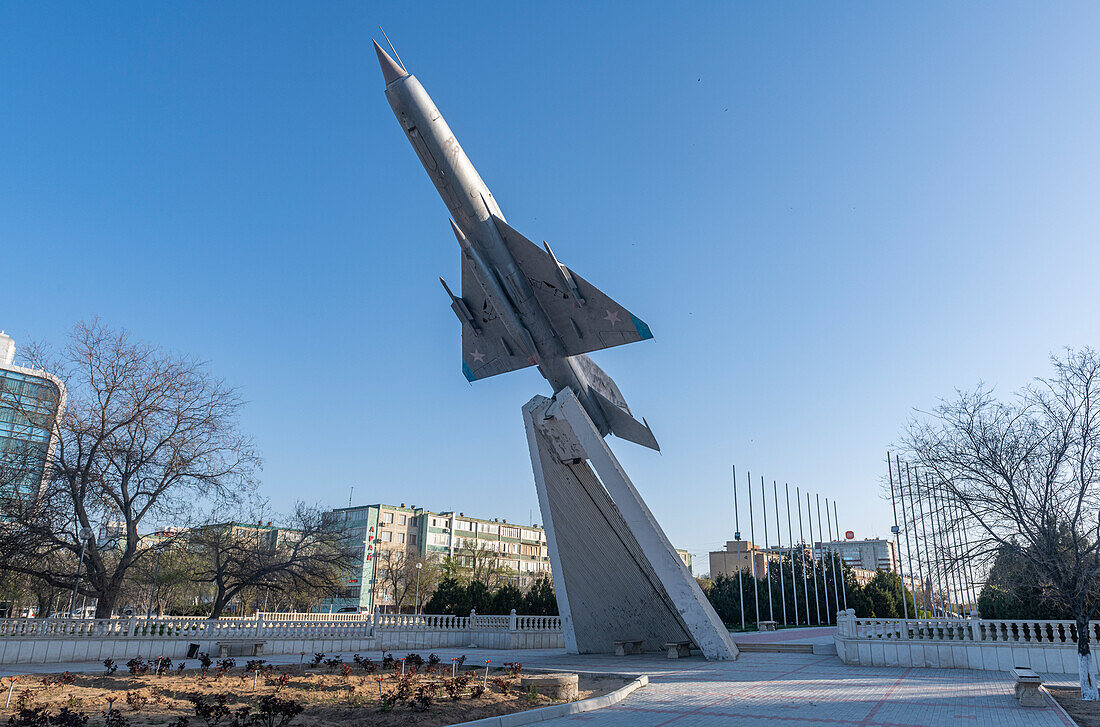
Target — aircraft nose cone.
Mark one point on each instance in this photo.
(390, 70)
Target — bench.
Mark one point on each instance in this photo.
(678, 649)
(1027, 686)
(256, 645)
(766, 626)
(635, 647)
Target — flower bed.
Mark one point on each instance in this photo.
(324, 690)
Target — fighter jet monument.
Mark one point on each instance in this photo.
(616, 576)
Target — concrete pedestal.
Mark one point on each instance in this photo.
(616, 576)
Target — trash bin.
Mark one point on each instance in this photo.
(192, 651)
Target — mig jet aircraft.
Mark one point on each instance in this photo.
(519, 306)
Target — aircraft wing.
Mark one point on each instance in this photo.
(491, 351)
(599, 323)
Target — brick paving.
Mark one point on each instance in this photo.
(767, 689)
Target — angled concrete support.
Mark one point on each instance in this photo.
(616, 576)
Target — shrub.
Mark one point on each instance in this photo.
(513, 667)
(274, 711)
(68, 718)
(501, 684)
(388, 661)
(317, 659)
(180, 721)
(116, 719)
(212, 710)
(136, 700)
(32, 717)
(456, 687)
(414, 660)
(137, 667)
(425, 695)
(281, 681)
(179, 670)
(26, 699)
(223, 667)
(163, 665)
(110, 665)
(333, 663)
(403, 692)
(477, 691)
(204, 663)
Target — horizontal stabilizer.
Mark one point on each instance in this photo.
(584, 317)
(623, 425)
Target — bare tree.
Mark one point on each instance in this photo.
(144, 436)
(1021, 478)
(312, 552)
(475, 560)
(398, 575)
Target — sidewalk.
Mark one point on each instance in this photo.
(765, 689)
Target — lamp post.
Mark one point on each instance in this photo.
(86, 534)
(416, 611)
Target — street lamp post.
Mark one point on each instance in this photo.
(416, 611)
(86, 534)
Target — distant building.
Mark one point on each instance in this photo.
(520, 549)
(380, 529)
(31, 402)
(870, 554)
(684, 556)
(739, 555)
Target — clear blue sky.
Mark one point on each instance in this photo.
(828, 214)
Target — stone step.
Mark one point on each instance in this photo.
(777, 647)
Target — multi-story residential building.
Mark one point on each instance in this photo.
(381, 531)
(31, 403)
(386, 534)
(869, 554)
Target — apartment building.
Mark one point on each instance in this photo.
(380, 529)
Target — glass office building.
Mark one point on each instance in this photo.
(30, 403)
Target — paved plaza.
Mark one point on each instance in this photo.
(769, 689)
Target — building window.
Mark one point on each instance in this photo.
(412, 538)
(401, 537)
(401, 519)
(387, 517)
(387, 536)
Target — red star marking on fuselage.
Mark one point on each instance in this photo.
(612, 317)
(477, 356)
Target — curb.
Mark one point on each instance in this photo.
(563, 710)
(1062, 710)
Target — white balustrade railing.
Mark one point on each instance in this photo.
(956, 630)
(267, 625)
